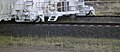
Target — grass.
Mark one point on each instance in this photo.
(83, 44)
(106, 8)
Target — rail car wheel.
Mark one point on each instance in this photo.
(37, 20)
(90, 14)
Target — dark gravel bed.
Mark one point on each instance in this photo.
(47, 31)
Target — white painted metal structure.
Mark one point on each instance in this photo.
(37, 10)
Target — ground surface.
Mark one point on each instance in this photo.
(33, 49)
(58, 44)
(38, 34)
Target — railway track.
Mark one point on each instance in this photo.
(84, 24)
(79, 19)
(90, 21)
(67, 24)
(101, 16)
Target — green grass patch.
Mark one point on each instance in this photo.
(64, 42)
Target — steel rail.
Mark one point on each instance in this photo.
(69, 22)
(100, 16)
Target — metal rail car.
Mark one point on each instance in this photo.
(38, 10)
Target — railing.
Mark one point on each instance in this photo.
(58, 5)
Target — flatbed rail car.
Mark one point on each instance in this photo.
(38, 10)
